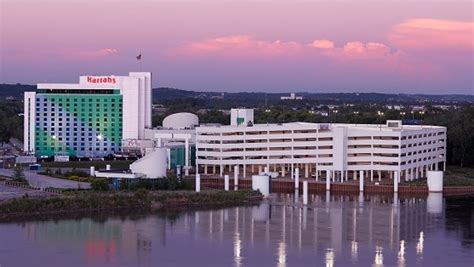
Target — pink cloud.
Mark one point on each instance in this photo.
(355, 56)
(237, 45)
(432, 33)
(322, 44)
(78, 54)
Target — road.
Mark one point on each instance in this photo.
(44, 181)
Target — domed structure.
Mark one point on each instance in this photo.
(180, 120)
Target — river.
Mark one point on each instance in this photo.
(331, 230)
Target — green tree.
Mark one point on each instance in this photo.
(18, 174)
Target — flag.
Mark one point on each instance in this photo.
(139, 56)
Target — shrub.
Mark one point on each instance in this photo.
(100, 185)
(18, 174)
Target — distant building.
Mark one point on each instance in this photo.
(394, 107)
(292, 96)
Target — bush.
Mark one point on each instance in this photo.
(18, 175)
(100, 185)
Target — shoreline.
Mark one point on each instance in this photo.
(288, 186)
(117, 202)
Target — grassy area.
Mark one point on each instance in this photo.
(115, 164)
(454, 176)
(79, 201)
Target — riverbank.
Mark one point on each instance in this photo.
(140, 200)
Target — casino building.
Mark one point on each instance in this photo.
(89, 118)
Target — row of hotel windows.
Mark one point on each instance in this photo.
(97, 109)
(75, 138)
(75, 99)
(60, 149)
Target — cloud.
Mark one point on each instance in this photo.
(422, 34)
(356, 58)
(79, 54)
(237, 45)
(322, 44)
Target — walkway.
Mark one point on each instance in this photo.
(8, 192)
(43, 181)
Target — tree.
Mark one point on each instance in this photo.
(18, 174)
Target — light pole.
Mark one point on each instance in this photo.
(403, 116)
(380, 119)
(356, 113)
(421, 116)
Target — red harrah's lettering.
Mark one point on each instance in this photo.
(92, 79)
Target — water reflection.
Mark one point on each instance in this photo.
(330, 230)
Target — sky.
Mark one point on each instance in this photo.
(391, 46)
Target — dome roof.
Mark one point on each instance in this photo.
(180, 120)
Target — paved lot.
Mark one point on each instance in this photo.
(7, 192)
(43, 181)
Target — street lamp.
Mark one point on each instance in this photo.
(403, 116)
(380, 113)
(356, 113)
(421, 116)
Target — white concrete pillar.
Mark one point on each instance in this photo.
(236, 175)
(259, 169)
(395, 181)
(266, 169)
(198, 182)
(371, 176)
(107, 167)
(226, 182)
(205, 169)
(354, 175)
(252, 168)
(244, 171)
(391, 174)
(297, 178)
(379, 175)
(213, 169)
(361, 181)
(305, 192)
(186, 156)
(328, 180)
(283, 170)
(221, 170)
(306, 170)
(347, 176)
(92, 171)
(406, 175)
(316, 174)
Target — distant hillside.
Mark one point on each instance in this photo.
(165, 94)
(162, 95)
(15, 90)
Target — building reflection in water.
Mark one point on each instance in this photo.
(401, 254)
(330, 226)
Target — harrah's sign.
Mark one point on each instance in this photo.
(96, 79)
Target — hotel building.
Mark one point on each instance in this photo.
(89, 118)
(337, 151)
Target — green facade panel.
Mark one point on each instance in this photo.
(78, 124)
